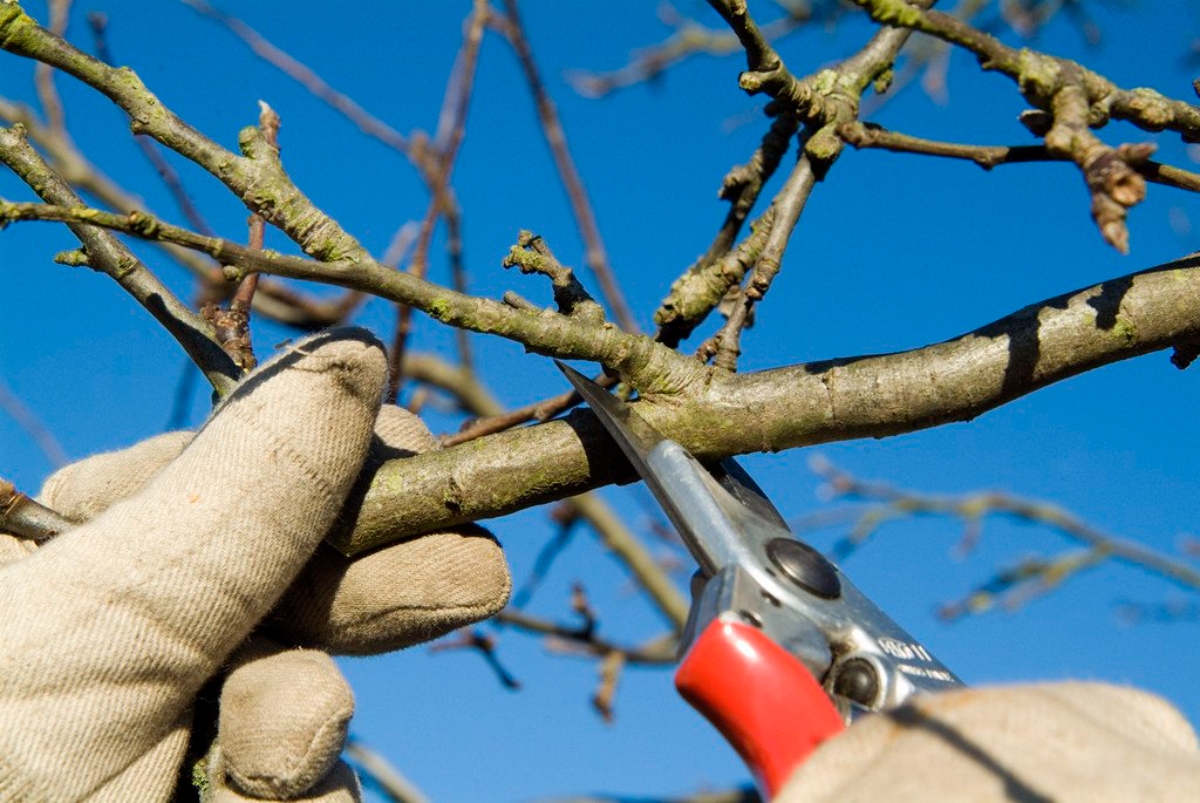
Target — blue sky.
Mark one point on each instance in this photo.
(893, 252)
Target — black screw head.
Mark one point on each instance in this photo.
(806, 567)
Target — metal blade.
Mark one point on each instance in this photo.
(631, 432)
(638, 439)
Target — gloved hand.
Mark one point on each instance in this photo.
(1060, 742)
(110, 630)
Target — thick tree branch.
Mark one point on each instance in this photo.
(870, 396)
(713, 413)
(618, 538)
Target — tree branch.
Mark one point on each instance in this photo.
(712, 413)
(865, 135)
(26, 518)
(870, 396)
(257, 177)
(1075, 100)
(108, 254)
(647, 365)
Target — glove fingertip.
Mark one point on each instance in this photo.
(404, 594)
(85, 489)
(284, 719)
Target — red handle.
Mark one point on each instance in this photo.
(761, 698)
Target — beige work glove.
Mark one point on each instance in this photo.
(109, 631)
(1060, 742)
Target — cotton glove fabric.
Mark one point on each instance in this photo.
(1054, 742)
(112, 629)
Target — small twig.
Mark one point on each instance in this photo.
(27, 420)
(690, 38)
(787, 205)
(23, 517)
(867, 135)
(606, 691)
(303, 74)
(169, 176)
(595, 254)
(232, 324)
(659, 652)
(381, 775)
(543, 410)
(565, 517)
(452, 129)
(269, 124)
(532, 255)
(696, 293)
(43, 75)
(1017, 585)
(458, 278)
(483, 644)
(1028, 577)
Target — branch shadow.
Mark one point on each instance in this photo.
(1022, 328)
(1014, 788)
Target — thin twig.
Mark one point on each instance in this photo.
(689, 39)
(595, 254)
(565, 516)
(28, 420)
(43, 75)
(485, 646)
(864, 135)
(381, 775)
(1027, 577)
(452, 130)
(303, 74)
(659, 652)
(604, 700)
(169, 175)
(787, 207)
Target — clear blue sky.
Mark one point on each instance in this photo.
(893, 252)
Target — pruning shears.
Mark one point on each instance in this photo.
(780, 651)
